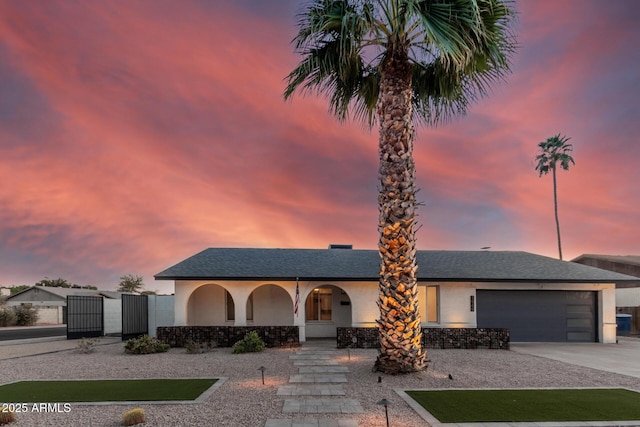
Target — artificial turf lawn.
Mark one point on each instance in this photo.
(105, 390)
(458, 406)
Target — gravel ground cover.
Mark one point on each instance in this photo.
(244, 401)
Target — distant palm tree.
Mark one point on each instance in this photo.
(552, 151)
(396, 61)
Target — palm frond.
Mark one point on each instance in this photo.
(458, 48)
(331, 39)
(552, 151)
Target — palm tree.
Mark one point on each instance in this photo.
(396, 61)
(552, 151)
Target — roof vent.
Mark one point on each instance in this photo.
(334, 246)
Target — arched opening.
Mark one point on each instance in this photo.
(210, 305)
(327, 307)
(269, 305)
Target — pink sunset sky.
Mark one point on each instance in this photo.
(136, 134)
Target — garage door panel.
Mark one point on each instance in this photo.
(542, 316)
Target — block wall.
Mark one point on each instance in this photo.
(435, 338)
(226, 336)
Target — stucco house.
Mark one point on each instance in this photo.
(318, 290)
(627, 294)
(51, 301)
(625, 264)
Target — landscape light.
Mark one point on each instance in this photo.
(386, 403)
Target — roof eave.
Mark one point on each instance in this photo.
(421, 279)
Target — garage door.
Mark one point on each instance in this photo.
(540, 316)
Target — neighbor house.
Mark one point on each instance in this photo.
(627, 294)
(625, 264)
(318, 290)
(51, 302)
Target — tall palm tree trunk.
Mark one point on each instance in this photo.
(555, 206)
(399, 323)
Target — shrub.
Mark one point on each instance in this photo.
(133, 417)
(251, 343)
(194, 347)
(7, 417)
(7, 316)
(26, 316)
(145, 345)
(86, 345)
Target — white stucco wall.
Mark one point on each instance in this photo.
(272, 306)
(48, 315)
(363, 296)
(206, 306)
(112, 316)
(628, 297)
(161, 312)
(607, 314)
(454, 302)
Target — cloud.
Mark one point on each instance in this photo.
(134, 135)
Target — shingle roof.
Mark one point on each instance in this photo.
(624, 259)
(65, 292)
(348, 264)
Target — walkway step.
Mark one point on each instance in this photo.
(318, 378)
(310, 356)
(315, 363)
(322, 406)
(322, 369)
(310, 422)
(311, 390)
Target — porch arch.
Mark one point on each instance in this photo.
(207, 306)
(270, 305)
(327, 307)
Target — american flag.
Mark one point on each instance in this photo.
(295, 306)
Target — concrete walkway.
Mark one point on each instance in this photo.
(621, 358)
(316, 389)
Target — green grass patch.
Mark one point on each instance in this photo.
(459, 406)
(105, 390)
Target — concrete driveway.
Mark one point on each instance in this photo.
(621, 358)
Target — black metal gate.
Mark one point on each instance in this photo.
(85, 317)
(135, 316)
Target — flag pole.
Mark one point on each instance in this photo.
(297, 301)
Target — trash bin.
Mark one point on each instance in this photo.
(623, 321)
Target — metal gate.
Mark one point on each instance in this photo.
(135, 316)
(85, 317)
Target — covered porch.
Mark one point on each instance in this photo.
(318, 308)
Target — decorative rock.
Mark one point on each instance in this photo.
(442, 338)
(226, 336)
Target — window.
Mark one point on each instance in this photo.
(428, 303)
(318, 305)
(230, 306)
